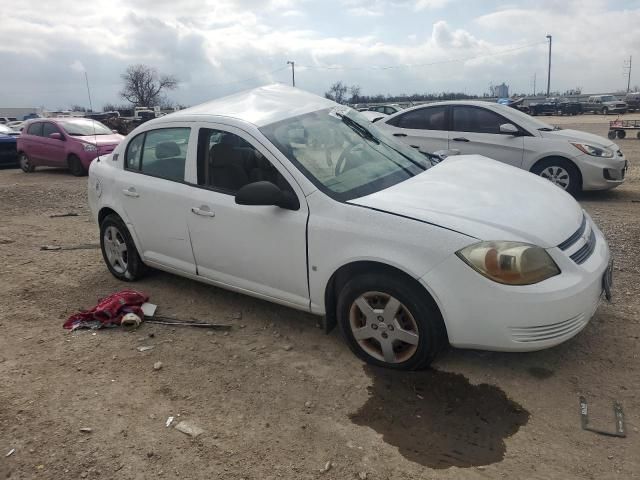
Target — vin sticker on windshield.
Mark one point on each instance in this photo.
(339, 111)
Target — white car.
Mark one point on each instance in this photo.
(289, 197)
(373, 116)
(571, 159)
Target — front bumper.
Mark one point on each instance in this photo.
(483, 314)
(602, 173)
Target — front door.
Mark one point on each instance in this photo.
(256, 249)
(476, 130)
(424, 128)
(155, 197)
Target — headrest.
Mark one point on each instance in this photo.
(223, 154)
(167, 150)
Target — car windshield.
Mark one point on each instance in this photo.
(83, 126)
(608, 98)
(343, 154)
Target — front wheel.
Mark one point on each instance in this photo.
(25, 163)
(561, 173)
(75, 166)
(119, 251)
(605, 111)
(390, 322)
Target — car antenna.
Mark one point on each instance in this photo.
(95, 136)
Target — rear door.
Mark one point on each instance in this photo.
(423, 128)
(476, 130)
(31, 141)
(53, 150)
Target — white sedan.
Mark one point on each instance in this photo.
(571, 159)
(289, 197)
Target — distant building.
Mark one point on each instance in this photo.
(501, 91)
(20, 112)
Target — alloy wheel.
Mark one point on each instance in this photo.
(383, 327)
(557, 175)
(116, 250)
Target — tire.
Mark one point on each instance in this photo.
(622, 134)
(605, 111)
(638, 135)
(119, 251)
(611, 135)
(25, 163)
(560, 172)
(75, 166)
(417, 319)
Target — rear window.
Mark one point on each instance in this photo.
(161, 153)
(430, 118)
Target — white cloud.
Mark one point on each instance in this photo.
(78, 66)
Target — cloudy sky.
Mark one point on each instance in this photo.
(217, 47)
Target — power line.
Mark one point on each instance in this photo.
(262, 75)
(418, 65)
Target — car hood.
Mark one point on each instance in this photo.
(485, 199)
(101, 139)
(578, 136)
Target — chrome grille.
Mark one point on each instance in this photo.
(541, 333)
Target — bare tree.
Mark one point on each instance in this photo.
(143, 85)
(337, 92)
(354, 90)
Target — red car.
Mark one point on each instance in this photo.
(64, 142)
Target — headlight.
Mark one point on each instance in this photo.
(89, 147)
(511, 263)
(593, 151)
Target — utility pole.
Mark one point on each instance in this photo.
(293, 72)
(549, 70)
(628, 68)
(534, 83)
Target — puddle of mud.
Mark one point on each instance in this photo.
(438, 419)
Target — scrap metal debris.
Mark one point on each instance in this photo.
(60, 215)
(617, 411)
(109, 311)
(84, 246)
(11, 452)
(189, 428)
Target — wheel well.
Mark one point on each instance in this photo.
(557, 157)
(350, 270)
(104, 212)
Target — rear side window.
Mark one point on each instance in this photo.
(431, 118)
(35, 129)
(476, 120)
(161, 153)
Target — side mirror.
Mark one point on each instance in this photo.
(509, 129)
(56, 136)
(447, 153)
(113, 130)
(266, 193)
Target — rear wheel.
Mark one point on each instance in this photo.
(561, 173)
(611, 135)
(119, 251)
(390, 322)
(25, 163)
(605, 111)
(622, 134)
(75, 166)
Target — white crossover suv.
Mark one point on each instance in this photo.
(289, 197)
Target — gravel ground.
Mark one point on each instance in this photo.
(275, 396)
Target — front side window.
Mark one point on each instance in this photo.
(343, 154)
(48, 129)
(227, 162)
(35, 129)
(430, 118)
(476, 120)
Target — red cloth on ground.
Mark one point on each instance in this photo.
(109, 311)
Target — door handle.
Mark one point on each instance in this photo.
(131, 192)
(460, 139)
(203, 210)
(399, 134)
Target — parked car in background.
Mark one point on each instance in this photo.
(405, 256)
(64, 142)
(554, 106)
(373, 116)
(604, 104)
(8, 150)
(386, 109)
(633, 101)
(15, 125)
(5, 120)
(571, 159)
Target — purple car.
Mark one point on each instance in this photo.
(64, 142)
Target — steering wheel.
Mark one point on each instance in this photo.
(340, 165)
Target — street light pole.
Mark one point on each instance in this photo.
(549, 70)
(293, 72)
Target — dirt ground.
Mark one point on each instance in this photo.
(275, 396)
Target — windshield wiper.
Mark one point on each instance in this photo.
(359, 129)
